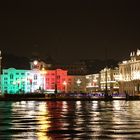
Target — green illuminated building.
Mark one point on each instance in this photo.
(13, 81)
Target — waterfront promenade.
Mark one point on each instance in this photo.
(64, 97)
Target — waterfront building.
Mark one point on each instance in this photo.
(11, 80)
(92, 83)
(53, 79)
(20, 81)
(56, 79)
(109, 80)
(76, 84)
(130, 74)
(25, 81)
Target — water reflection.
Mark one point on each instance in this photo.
(78, 120)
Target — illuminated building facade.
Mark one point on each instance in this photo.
(109, 79)
(20, 81)
(130, 74)
(25, 81)
(76, 84)
(52, 79)
(92, 83)
(56, 78)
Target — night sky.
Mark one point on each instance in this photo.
(70, 30)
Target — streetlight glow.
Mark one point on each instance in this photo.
(35, 62)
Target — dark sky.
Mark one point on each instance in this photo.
(70, 30)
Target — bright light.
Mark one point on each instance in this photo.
(35, 62)
(43, 71)
(124, 62)
(136, 75)
(14, 83)
(78, 81)
(64, 83)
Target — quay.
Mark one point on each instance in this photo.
(63, 97)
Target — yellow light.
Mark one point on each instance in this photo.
(78, 81)
(64, 83)
(43, 71)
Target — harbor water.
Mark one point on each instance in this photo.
(69, 120)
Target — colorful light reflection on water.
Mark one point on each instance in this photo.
(52, 120)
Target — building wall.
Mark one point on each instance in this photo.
(76, 84)
(56, 78)
(109, 77)
(13, 80)
(130, 74)
(92, 83)
(24, 81)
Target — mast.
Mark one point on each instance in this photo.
(106, 67)
(0, 72)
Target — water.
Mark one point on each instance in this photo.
(72, 120)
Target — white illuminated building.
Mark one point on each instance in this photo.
(92, 83)
(130, 74)
(109, 79)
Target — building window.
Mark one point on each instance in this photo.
(5, 78)
(5, 73)
(5, 83)
(11, 76)
(35, 77)
(58, 76)
(34, 83)
(17, 73)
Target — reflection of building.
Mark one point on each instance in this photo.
(76, 84)
(130, 74)
(92, 83)
(109, 77)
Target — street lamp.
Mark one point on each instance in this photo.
(78, 83)
(18, 83)
(55, 82)
(43, 72)
(14, 84)
(30, 82)
(65, 83)
(35, 62)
